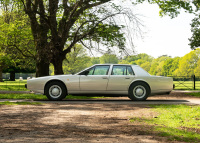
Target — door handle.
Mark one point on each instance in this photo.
(127, 77)
(104, 77)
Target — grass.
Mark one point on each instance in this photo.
(40, 96)
(195, 94)
(19, 103)
(177, 122)
(22, 96)
(186, 85)
(13, 85)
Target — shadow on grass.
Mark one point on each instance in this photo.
(173, 134)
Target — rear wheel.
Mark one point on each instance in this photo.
(139, 91)
(55, 91)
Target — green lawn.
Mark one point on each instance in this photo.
(13, 85)
(195, 94)
(40, 97)
(20, 103)
(177, 122)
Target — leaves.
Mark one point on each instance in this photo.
(16, 40)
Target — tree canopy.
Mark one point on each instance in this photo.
(57, 26)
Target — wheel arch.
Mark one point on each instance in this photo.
(139, 81)
(55, 80)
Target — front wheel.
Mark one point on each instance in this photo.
(55, 91)
(139, 91)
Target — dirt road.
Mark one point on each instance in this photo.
(80, 121)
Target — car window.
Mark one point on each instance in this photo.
(91, 71)
(119, 70)
(122, 70)
(101, 70)
(129, 71)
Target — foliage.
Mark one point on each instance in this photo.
(76, 60)
(170, 65)
(188, 63)
(55, 23)
(108, 58)
(173, 7)
(157, 65)
(16, 41)
(94, 60)
(197, 69)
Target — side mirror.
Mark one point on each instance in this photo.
(87, 72)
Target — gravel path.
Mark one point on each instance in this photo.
(79, 121)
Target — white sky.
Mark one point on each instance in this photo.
(165, 36)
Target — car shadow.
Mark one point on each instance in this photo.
(120, 101)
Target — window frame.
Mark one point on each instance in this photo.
(83, 73)
(126, 70)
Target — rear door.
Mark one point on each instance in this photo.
(120, 78)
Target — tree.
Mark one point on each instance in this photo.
(188, 63)
(108, 59)
(94, 60)
(55, 23)
(170, 65)
(195, 29)
(4, 62)
(157, 65)
(16, 41)
(146, 66)
(137, 59)
(197, 69)
(76, 60)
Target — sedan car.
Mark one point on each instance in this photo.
(129, 80)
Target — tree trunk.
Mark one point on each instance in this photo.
(1, 76)
(57, 63)
(43, 55)
(42, 68)
(12, 76)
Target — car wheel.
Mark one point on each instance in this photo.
(139, 91)
(55, 91)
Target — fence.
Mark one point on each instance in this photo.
(187, 83)
(18, 84)
(6, 76)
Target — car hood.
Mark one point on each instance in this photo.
(52, 77)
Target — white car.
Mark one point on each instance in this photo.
(130, 80)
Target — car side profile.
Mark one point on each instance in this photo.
(130, 80)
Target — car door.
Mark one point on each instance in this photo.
(96, 79)
(120, 78)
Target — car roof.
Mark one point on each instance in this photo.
(117, 64)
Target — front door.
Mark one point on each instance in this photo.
(96, 79)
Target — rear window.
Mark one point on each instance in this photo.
(122, 70)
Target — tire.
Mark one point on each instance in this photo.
(139, 91)
(55, 91)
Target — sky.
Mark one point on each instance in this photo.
(163, 35)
